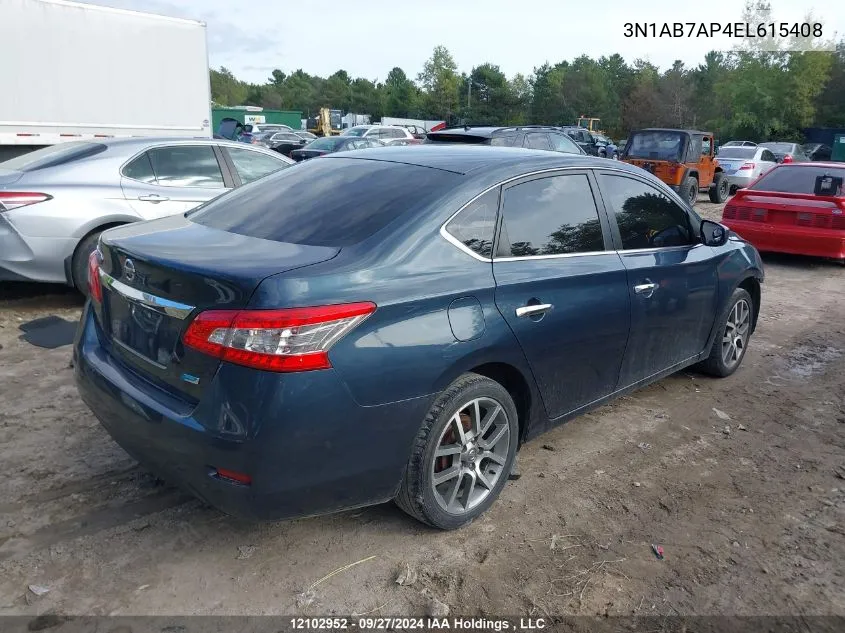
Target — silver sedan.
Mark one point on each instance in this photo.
(55, 202)
(743, 165)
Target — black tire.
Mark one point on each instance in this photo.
(720, 189)
(715, 364)
(690, 190)
(79, 263)
(417, 494)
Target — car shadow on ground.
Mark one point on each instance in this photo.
(800, 261)
(24, 294)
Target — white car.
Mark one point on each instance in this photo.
(387, 134)
(743, 165)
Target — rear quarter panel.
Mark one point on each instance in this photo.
(407, 348)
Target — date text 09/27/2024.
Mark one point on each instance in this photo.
(738, 30)
(376, 624)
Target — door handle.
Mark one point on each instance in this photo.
(530, 310)
(153, 197)
(646, 289)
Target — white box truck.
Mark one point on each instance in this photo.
(73, 71)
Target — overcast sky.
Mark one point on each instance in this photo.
(369, 37)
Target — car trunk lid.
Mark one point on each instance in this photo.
(157, 276)
(787, 209)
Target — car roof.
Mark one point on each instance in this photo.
(672, 129)
(132, 145)
(466, 159)
(489, 130)
(815, 163)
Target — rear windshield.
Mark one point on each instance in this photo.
(780, 148)
(737, 152)
(356, 131)
(53, 155)
(795, 179)
(327, 202)
(455, 138)
(656, 145)
(326, 143)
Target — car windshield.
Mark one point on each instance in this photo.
(780, 148)
(356, 131)
(737, 152)
(795, 178)
(329, 143)
(329, 202)
(656, 145)
(52, 156)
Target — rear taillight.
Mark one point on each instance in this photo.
(747, 166)
(17, 199)
(285, 340)
(95, 288)
(787, 158)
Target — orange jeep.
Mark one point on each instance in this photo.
(683, 159)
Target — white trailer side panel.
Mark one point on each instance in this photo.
(72, 69)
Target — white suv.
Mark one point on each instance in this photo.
(387, 134)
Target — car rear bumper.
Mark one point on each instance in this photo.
(32, 258)
(740, 180)
(795, 240)
(307, 445)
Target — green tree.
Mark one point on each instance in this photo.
(439, 79)
(400, 94)
(226, 89)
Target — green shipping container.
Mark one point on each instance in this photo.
(838, 152)
(290, 118)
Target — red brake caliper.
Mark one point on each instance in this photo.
(450, 438)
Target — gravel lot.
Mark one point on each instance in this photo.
(750, 510)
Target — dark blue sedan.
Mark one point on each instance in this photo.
(393, 323)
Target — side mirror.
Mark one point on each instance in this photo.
(713, 233)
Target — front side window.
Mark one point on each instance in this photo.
(646, 217)
(186, 166)
(253, 165)
(475, 226)
(550, 216)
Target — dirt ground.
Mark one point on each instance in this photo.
(741, 481)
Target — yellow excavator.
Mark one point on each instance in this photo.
(589, 123)
(323, 126)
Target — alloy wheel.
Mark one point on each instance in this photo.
(736, 333)
(471, 455)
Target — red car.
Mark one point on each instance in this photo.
(796, 208)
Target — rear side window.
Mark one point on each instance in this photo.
(327, 202)
(537, 141)
(253, 165)
(562, 143)
(140, 169)
(550, 216)
(475, 226)
(797, 179)
(186, 166)
(503, 141)
(53, 155)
